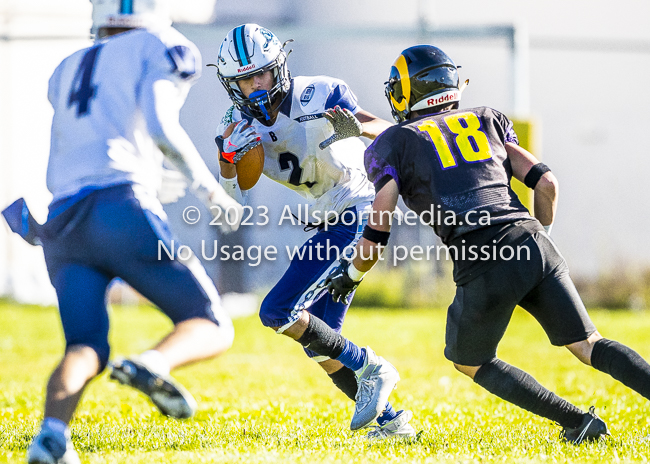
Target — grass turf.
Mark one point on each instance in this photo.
(264, 401)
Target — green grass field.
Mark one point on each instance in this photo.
(264, 401)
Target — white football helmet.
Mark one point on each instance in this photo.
(247, 50)
(130, 13)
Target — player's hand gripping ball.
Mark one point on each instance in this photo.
(243, 148)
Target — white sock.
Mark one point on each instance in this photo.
(155, 361)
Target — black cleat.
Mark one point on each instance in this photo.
(592, 428)
(172, 399)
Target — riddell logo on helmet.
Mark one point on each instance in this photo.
(246, 68)
(449, 97)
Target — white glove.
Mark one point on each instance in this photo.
(228, 211)
(239, 142)
(172, 187)
(345, 125)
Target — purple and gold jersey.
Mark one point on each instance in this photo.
(451, 168)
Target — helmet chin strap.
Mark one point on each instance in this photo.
(258, 97)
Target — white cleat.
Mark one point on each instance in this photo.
(51, 448)
(377, 379)
(397, 428)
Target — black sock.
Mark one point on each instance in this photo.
(519, 388)
(346, 381)
(322, 339)
(622, 363)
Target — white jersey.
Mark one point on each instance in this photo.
(100, 136)
(332, 179)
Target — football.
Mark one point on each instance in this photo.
(250, 167)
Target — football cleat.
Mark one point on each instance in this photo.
(376, 379)
(396, 428)
(51, 448)
(592, 428)
(171, 398)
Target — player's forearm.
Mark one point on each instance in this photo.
(368, 253)
(228, 180)
(164, 127)
(376, 233)
(545, 199)
(371, 125)
(372, 129)
(228, 170)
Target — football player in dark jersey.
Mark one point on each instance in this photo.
(453, 167)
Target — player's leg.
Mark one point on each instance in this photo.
(391, 423)
(555, 302)
(476, 322)
(376, 377)
(81, 294)
(302, 286)
(185, 293)
(182, 290)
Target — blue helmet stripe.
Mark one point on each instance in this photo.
(126, 7)
(240, 46)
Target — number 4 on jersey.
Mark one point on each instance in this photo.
(82, 88)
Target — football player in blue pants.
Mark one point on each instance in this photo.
(458, 164)
(293, 118)
(116, 116)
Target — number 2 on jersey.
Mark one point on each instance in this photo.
(290, 161)
(472, 143)
(83, 89)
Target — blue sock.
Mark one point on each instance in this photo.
(388, 415)
(352, 356)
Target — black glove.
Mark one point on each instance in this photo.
(340, 285)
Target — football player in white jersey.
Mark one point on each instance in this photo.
(293, 118)
(116, 116)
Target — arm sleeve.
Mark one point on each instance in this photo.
(170, 72)
(231, 186)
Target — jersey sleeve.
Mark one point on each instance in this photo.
(381, 159)
(174, 60)
(342, 96)
(504, 126)
(167, 59)
(54, 85)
